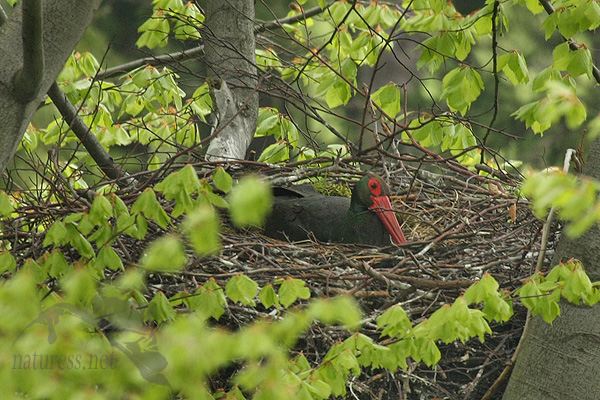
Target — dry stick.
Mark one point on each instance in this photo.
(538, 267)
(88, 139)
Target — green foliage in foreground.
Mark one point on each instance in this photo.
(54, 310)
(575, 198)
(54, 346)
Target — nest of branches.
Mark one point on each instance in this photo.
(459, 224)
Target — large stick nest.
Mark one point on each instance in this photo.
(459, 225)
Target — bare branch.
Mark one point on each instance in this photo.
(154, 61)
(278, 23)
(88, 139)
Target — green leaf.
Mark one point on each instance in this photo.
(202, 229)
(80, 243)
(222, 180)
(85, 224)
(250, 201)
(79, 286)
(529, 294)
(430, 58)
(141, 226)
(184, 180)
(267, 296)
(514, 66)
(268, 118)
(388, 98)
(394, 322)
(580, 63)
(334, 378)
(267, 59)
(339, 310)
(576, 62)
(126, 223)
(35, 270)
(540, 82)
(275, 153)
(529, 113)
(461, 87)
(482, 290)
(559, 273)
(155, 31)
(56, 264)
(208, 300)
(107, 257)
(339, 94)
(574, 198)
(428, 132)
(164, 254)
(103, 235)
(319, 388)
(477, 325)
(430, 353)
(242, 289)
(568, 25)
(6, 205)
(159, 309)
(132, 279)
(148, 204)
(7, 262)
(577, 286)
(56, 235)
(213, 198)
(590, 13)
(549, 25)
(498, 308)
(291, 290)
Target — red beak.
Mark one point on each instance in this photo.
(383, 208)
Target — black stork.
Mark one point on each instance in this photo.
(366, 218)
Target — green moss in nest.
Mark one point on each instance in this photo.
(332, 189)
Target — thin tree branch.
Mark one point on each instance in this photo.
(495, 26)
(29, 78)
(88, 139)
(159, 60)
(278, 23)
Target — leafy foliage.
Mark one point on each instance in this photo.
(179, 219)
(467, 317)
(575, 198)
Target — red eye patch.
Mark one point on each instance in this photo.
(375, 187)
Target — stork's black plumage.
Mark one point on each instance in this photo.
(366, 218)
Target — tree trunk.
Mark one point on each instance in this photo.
(562, 360)
(229, 47)
(64, 22)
